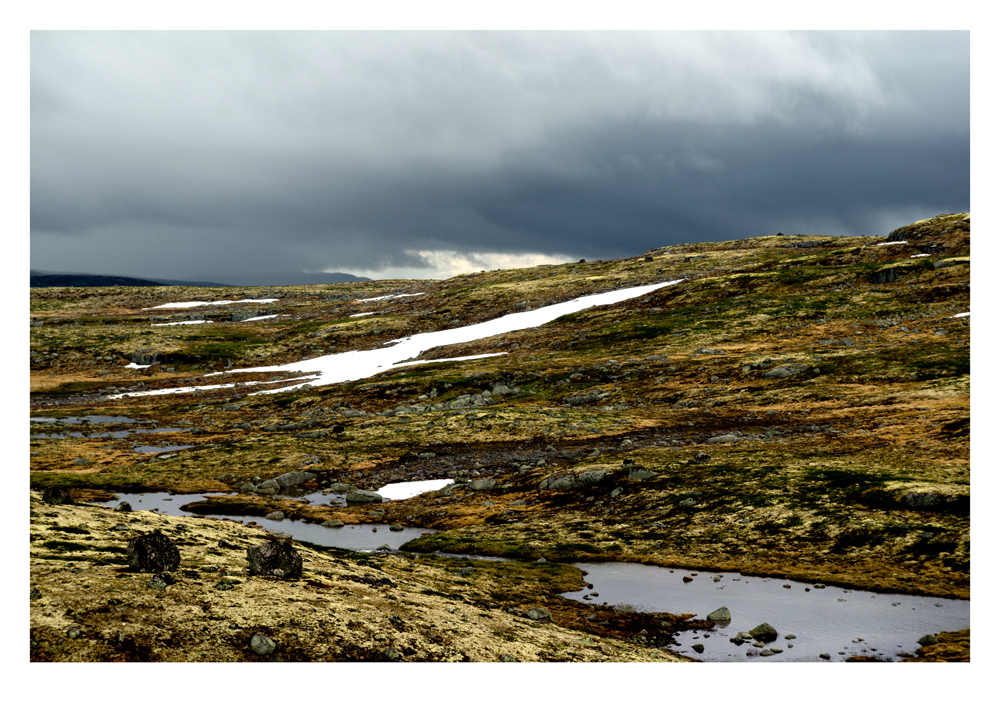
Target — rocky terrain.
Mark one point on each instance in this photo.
(796, 407)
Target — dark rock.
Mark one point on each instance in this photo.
(153, 553)
(275, 516)
(275, 557)
(701, 458)
(57, 495)
(333, 523)
(764, 632)
(123, 506)
(700, 648)
(261, 645)
(927, 639)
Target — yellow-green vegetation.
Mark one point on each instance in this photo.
(798, 407)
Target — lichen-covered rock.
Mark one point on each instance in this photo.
(572, 481)
(764, 632)
(296, 477)
(720, 615)
(539, 614)
(261, 645)
(153, 553)
(275, 558)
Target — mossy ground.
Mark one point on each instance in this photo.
(853, 471)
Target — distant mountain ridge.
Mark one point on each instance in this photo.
(41, 279)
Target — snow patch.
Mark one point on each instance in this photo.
(191, 304)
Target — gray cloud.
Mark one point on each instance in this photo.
(191, 154)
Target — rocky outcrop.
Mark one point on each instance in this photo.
(573, 481)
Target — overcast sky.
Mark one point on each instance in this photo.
(196, 155)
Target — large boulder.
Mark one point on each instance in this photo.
(764, 632)
(785, 371)
(57, 495)
(573, 481)
(153, 553)
(275, 557)
(363, 497)
(720, 615)
(296, 477)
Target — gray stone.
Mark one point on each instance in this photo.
(275, 516)
(271, 484)
(296, 477)
(363, 497)
(332, 523)
(726, 438)
(485, 483)
(689, 502)
(927, 639)
(701, 458)
(396, 527)
(261, 645)
(640, 473)
(785, 371)
(700, 648)
(572, 481)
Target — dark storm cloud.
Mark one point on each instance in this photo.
(191, 154)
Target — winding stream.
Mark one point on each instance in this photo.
(828, 620)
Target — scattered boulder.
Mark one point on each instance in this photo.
(539, 614)
(573, 481)
(700, 648)
(275, 516)
(123, 506)
(725, 438)
(640, 473)
(261, 645)
(485, 483)
(784, 371)
(720, 615)
(296, 477)
(701, 458)
(332, 523)
(764, 632)
(363, 497)
(153, 553)
(927, 639)
(275, 557)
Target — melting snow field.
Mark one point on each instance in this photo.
(359, 364)
(179, 323)
(390, 296)
(883, 244)
(191, 304)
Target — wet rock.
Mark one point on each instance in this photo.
(261, 645)
(825, 657)
(720, 615)
(396, 527)
(764, 632)
(927, 639)
(275, 555)
(153, 553)
(271, 484)
(363, 497)
(700, 648)
(332, 523)
(57, 495)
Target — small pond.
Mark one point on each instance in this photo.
(356, 537)
(831, 620)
